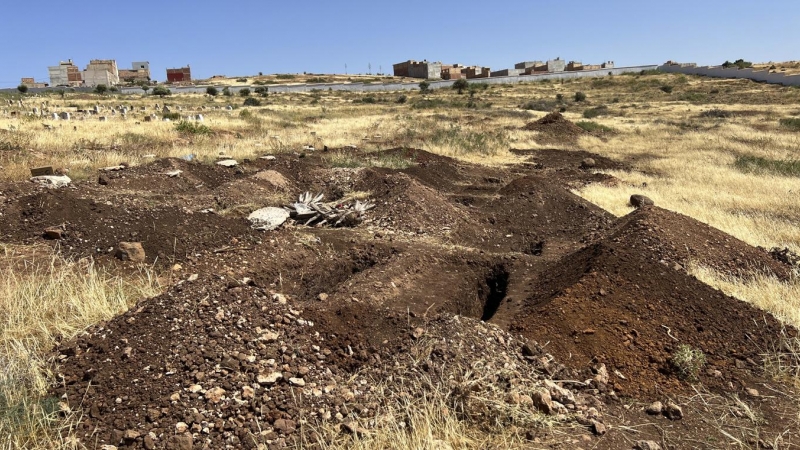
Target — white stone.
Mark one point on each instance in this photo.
(227, 163)
(56, 181)
(268, 218)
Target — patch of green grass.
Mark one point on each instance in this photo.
(791, 123)
(429, 103)
(192, 128)
(694, 97)
(758, 164)
(467, 141)
(598, 111)
(594, 127)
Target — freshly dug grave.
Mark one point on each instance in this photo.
(628, 302)
(555, 128)
(404, 296)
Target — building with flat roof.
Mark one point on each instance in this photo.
(101, 71)
(179, 75)
(65, 74)
(139, 72)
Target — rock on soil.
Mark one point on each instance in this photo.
(639, 201)
(268, 218)
(458, 275)
(130, 251)
(52, 181)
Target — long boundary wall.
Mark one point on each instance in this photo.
(384, 87)
(734, 72)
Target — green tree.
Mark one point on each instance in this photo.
(580, 96)
(161, 91)
(212, 91)
(244, 92)
(22, 88)
(101, 89)
(460, 85)
(145, 88)
(261, 91)
(226, 92)
(424, 87)
(251, 101)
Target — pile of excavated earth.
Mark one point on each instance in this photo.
(527, 307)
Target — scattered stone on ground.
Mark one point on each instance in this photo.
(639, 201)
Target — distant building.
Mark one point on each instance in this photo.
(419, 69)
(29, 82)
(508, 72)
(527, 64)
(556, 65)
(452, 72)
(426, 70)
(477, 72)
(180, 75)
(573, 66)
(101, 71)
(65, 74)
(139, 72)
(401, 69)
(607, 65)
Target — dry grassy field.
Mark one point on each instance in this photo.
(724, 152)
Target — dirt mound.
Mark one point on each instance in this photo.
(210, 365)
(672, 238)
(436, 171)
(282, 334)
(94, 228)
(533, 216)
(405, 204)
(613, 303)
(195, 177)
(554, 128)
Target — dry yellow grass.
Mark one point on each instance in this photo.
(685, 162)
(44, 298)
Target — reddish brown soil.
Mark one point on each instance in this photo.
(448, 248)
(554, 128)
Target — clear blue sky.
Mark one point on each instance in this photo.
(245, 37)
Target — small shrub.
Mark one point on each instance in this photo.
(285, 76)
(252, 101)
(740, 63)
(591, 113)
(244, 92)
(666, 88)
(161, 91)
(212, 91)
(171, 115)
(791, 124)
(227, 92)
(716, 113)
(540, 105)
(370, 99)
(560, 98)
(22, 88)
(688, 362)
(460, 85)
(241, 80)
(580, 96)
(102, 89)
(401, 99)
(694, 97)
(261, 91)
(192, 128)
(594, 127)
(424, 87)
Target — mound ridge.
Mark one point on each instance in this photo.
(623, 302)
